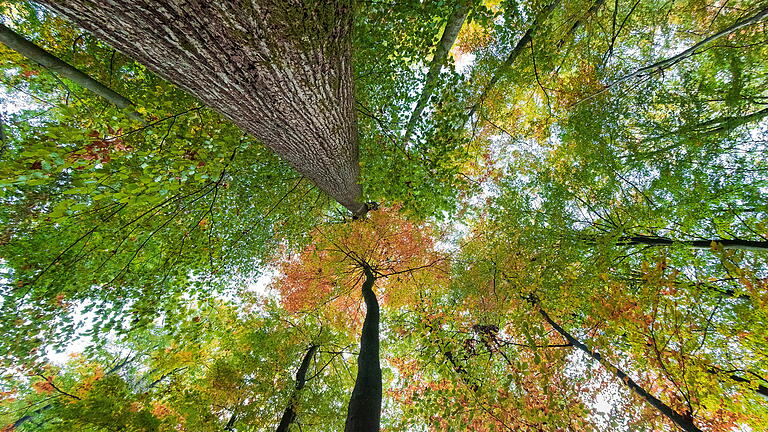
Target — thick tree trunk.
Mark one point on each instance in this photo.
(279, 69)
(289, 415)
(49, 61)
(364, 411)
(684, 422)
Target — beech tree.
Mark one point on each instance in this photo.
(571, 233)
(288, 85)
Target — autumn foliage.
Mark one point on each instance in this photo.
(328, 273)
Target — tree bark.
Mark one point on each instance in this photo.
(289, 415)
(451, 31)
(279, 69)
(49, 61)
(751, 245)
(684, 422)
(364, 411)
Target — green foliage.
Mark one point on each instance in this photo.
(587, 175)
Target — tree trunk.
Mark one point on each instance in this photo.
(289, 415)
(759, 388)
(684, 422)
(540, 18)
(279, 69)
(693, 49)
(364, 411)
(580, 22)
(451, 31)
(751, 245)
(49, 61)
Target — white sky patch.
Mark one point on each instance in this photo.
(464, 62)
(79, 342)
(262, 284)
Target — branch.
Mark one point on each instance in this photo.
(50, 381)
(49, 61)
(671, 61)
(685, 422)
(516, 51)
(579, 22)
(750, 245)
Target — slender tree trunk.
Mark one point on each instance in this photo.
(684, 422)
(28, 417)
(663, 64)
(580, 22)
(364, 411)
(451, 31)
(690, 51)
(759, 389)
(49, 61)
(541, 17)
(751, 245)
(289, 415)
(279, 69)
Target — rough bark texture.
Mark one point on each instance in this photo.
(450, 33)
(289, 415)
(364, 411)
(49, 61)
(279, 69)
(684, 422)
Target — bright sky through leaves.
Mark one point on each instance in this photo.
(567, 225)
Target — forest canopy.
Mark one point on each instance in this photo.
(303, 215)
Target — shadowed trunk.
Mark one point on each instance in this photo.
(759, 388)
(580, 22)
(49, 61)
(281, 70)
(692, 50)
(685, 422)
(751, 245)
(364, 411)
(289, 415)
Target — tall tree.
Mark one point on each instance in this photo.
(448, 38)
(614, 168)
(685, 422)
(364, 410)
(289, 85)
(289, 415)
